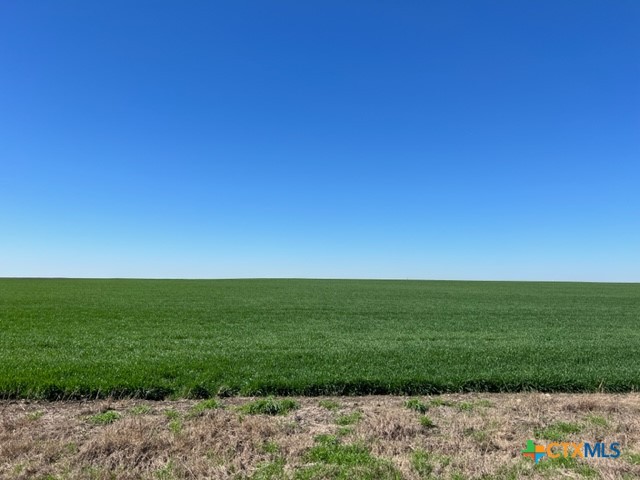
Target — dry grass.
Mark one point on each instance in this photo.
(475, 435)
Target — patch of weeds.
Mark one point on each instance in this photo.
(166, 472)
(462, 406)
(140, 410)
(270, 447)
(172, 414)
(440, 402)
(555, 463)
(349, 419)
(514, 472)
(175, 425)
(443, 460)
(200, 407)
(426, 422)
(330, 449)
(566, 463)
(344, 431)
(33, 416)
(325, 438)
(597, 420)
(421, 463)
(270, 406)
(335, 460)
(329, 404)
(270, 471)
(175, 422)
(424, 463)
(417, 405)
(104, 418)
(633, 458)
(557, 431)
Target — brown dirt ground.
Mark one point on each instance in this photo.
(475, 435)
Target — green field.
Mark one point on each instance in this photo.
(161, 338)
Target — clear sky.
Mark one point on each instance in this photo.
(374, 139)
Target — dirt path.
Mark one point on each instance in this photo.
(454, 436)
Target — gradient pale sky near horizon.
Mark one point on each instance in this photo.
(436, 140)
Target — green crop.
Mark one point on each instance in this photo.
(165, 338)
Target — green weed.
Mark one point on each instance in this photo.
(33, 416)
(175, 426)
(421, 462)
(349, 419)
(565, 463)
(172, 414)
(417, 405)
(597, 420)
(140, 410)
(425, 463)
(557, 431)
(440, 402)
(205, 405)
(633, 458)
(273, 470)
(167, 472)
(104, 418)
(270, 447)
(334, 459)
(329, 404)
(270, 406)
(426, 422)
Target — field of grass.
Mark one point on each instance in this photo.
(477, 436)
(161, 338)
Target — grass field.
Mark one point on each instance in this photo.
(162, 338)
(468, 436)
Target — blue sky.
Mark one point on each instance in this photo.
(438, 140)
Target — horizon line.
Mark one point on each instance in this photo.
(398, 279)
